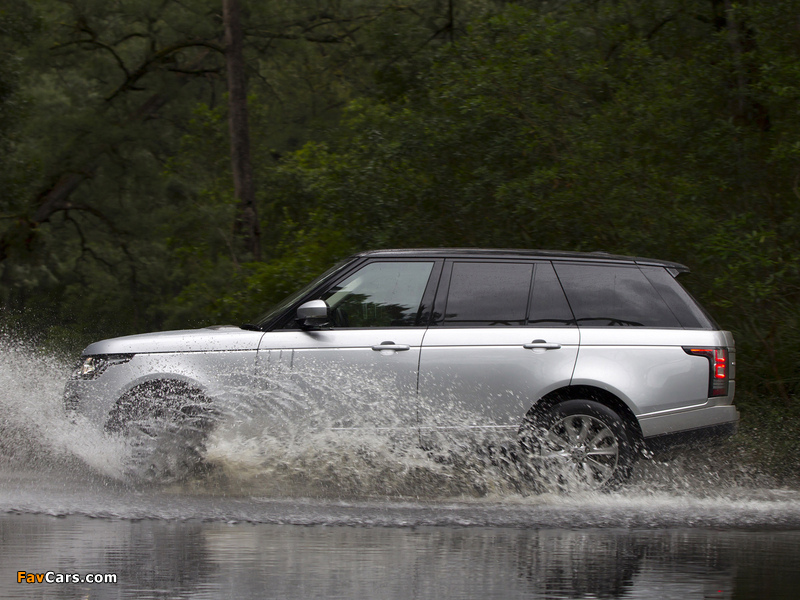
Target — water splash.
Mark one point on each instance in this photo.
(295, 439)
(34, 432)
(286, 469)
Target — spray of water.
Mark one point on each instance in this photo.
(291, 440)
(35, 435)
(338, 433)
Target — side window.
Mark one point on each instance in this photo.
(381, 294)
(610, 295)
(549, 307)
(683, 306)
(488, 294)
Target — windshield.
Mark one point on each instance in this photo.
(281, 306)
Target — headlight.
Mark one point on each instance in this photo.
(91, 367)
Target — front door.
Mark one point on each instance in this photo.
(360, 370)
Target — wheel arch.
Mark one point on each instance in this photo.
(162, 380)
(169, 383)
(589, 392)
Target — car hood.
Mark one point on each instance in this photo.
(210, 339)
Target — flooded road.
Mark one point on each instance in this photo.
(323, 518)
(160, 558)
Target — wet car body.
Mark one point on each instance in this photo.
(458, 341)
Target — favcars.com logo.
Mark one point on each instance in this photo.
(53, 577)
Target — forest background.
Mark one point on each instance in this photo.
(134, 197)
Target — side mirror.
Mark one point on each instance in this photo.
(314, 313)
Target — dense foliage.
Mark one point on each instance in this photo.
(666, 128)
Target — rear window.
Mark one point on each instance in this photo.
(690, 314)
(505, 294)
(549, 307)
(613, 296)
(488, 294)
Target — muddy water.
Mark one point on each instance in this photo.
(366, 517)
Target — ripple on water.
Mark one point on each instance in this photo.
(51, 466)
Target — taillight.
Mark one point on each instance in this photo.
(717, 366)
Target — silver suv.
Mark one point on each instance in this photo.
(587, 358)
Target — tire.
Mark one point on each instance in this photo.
(579, 444)
(166, 424)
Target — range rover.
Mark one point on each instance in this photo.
(587, 359)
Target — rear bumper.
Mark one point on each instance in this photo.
(700, 424)
(662, 442)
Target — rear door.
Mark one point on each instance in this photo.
(632, 339)
(502, 335)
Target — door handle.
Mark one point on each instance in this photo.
(391, 346)
(541, 344)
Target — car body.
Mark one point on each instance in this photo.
(592, 350)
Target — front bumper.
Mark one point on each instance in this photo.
(92, 399)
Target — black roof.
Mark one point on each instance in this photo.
(516, 253)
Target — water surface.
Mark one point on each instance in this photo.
(366, 517)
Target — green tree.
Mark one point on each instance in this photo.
(116, 212)
(653, 128)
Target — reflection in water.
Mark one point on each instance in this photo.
(387, 519)
(175, 559)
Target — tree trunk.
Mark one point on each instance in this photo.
(246, 226)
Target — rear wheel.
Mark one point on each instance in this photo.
(166, 424)
(579, 444)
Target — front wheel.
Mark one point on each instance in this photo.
(579, 444)
(166, 424)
